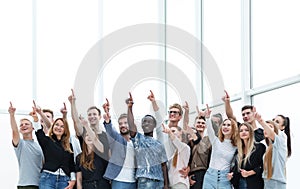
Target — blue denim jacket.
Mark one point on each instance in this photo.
(118, 152)
(150, 154)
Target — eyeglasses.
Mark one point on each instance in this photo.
(173, 112)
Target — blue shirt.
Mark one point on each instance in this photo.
(150, 154)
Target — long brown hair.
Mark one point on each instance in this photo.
(86, 158)
(268, 155)
(65, 138)
(234, 132)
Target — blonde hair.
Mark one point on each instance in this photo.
(269, 152)
(249, 146)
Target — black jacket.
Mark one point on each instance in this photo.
(255, 163)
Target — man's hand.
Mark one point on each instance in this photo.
(151, 97)
(129, 101)
(11, 109)
(106, 108)
(226, 97)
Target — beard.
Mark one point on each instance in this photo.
(125, 132)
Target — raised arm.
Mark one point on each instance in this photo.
(14, 126)
(64, 111)
(151, 97)
(38, 110)
(270, 132)
(77, 124)
(130, 118)
(186, 118)
(228, 108)
(206, 113)
(97, 143)
(158, 115)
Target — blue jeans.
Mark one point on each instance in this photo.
(51, 181)
(122, 185)
(216, 179)
(243, 183)
(270, 183)
(145, 183)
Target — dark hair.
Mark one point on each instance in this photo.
(154, 120)
(200, 117)
(48, 111)
(286, 123)
(247, 107)
(94, 107)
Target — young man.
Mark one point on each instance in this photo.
(150, 154)
(248, 116)
(94, 116)
(28, 152)
(121, 167)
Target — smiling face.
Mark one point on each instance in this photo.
(174, 114)
(226, 128)
(200, 124)
(244, 132)
(25, 126)
(148, 124)
(88, 140)
(123, 126)
(58, 128)
(93, 116)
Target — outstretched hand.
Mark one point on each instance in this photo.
(36, 108)
(11, 109)
(151, 97)
(72, 97)
(106, 108)
(226, 97)
(129, 101)
(206, 113)
(33, 113)
(186, 106)
(64, 110)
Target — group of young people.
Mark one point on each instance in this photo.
(229, 154)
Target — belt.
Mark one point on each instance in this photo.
(154, 180)
(57, 172)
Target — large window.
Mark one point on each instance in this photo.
(181, 50)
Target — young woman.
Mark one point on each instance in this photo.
(223, 149)
(89, 164)
(284, 125)
(179, 160)
(59, 168)
(249, 162)
(276, 155)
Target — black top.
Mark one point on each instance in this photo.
(95, 174)
(103, 139)
(55, 155)
(254, 163)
